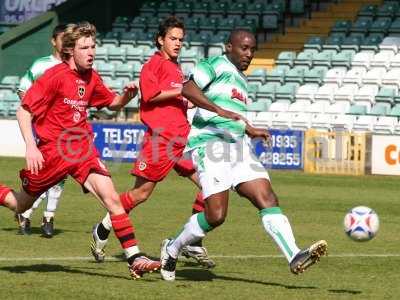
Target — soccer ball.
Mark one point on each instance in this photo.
(361, 223)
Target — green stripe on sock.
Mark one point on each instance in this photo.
(270, 211)
(201, 218)
(283, 242)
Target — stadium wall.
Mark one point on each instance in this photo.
(22, 44)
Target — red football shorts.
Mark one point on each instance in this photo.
(77, 160)
(158, 156)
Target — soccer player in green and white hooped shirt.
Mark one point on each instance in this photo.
(53, 195)
(221, 150)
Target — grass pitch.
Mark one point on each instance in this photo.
(249, 265)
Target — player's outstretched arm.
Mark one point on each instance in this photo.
(254, 132)
(34, 158)
(129, 92)
(194, 94)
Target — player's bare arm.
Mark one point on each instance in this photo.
(167, 95)
(254, 132)
(129, 92)
(193, 93)
(34, 158)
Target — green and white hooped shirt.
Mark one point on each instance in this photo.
(37, 69)
(223, 84)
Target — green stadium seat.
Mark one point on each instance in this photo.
(128, 71)
(388, 9)
(183, 9)
(165, 8)
(314, 43)
(296, 75)
(248, 24)
(267, 91)
(342, 59)
(217, 9)
(371, 42)
(259, 105)
(381, 25)
(226, 25)
(9, 82)
(271, 16)
(386, 95)
(395, 111)
(106, 70)
(380, 109)
(333, 42)
(153, 23)
(128, 39)
(3, 108)
(257, 76)
(361, 25)
(341, 26)
(395, 27)
(286, 58)
(200, 9)
(121, 23)
(236, 10)
(208, 26)
(254, 10)
(368, 10)
(315, 75)
(216, 46)
(134, 54)
(277, 74)
(297, 7)
(286, 92)
(304, 59)
(323, 59)
(149, 8)
(352, 43)
(357, 110)
(116, 54)
(139, 24)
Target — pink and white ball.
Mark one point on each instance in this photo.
(361, 223)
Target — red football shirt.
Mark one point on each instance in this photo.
(59, 100)
(169, 116)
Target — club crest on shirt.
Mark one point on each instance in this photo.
(81, 91)
(142, 165)
(25, 181)
(77, 116)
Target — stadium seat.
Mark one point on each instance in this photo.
(341, 26)
(165, 8)
(257, 76)
(259, 106)
(9, 82)
(317, 107)
(341, 122)
(354, 76)
(364, 123)
(315, 75)
(116, 54)
(263, 119)
(341, 107)
(267, 91)
(380, 109)
(342, 60)
(320, 122)
(101, 54)
(358, 110)
(366, 95)
(368, 10)
(371, 42)
(345, 93)
(395, 111)
(390, 45)
(374, 77)
(183, 9)
(335, 75)
(362, 59)
(277, 74)
(279, 106)
(314, 43)
(106, 70)
(304, 59)
(3, 108)
(111, 39)
(388, 9)
(300, 121)
(323, 59)
(305, 93)
(286, 58)
(298, 106)
(326, 93)
(149, 8)
(295, 75)
(134, 55)
(385, 125)
(381, 25)
(392, 79)
(394, 28)
(361, 25)
(281, 120)
(386, 95)
(128, 71)
(333, 42)
(286, 92)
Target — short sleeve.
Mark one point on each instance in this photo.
(149, 84)
(102, 96)
(203, 74)
(39, 96)
(26, 81)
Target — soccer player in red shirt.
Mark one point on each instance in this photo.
(163, 111)
(56, 105)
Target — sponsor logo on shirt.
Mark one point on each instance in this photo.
(238, 95)
(79, 105)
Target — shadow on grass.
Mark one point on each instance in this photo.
(207, 275)
(345, 292)
(35, 231)
(47, 268)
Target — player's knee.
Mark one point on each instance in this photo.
(271, 198)
(112, 202)
(216, 218)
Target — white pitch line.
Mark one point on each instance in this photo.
(111, 258)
